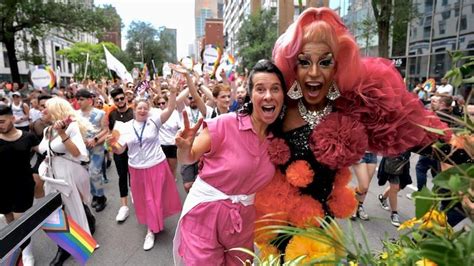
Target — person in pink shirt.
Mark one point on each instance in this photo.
(218, 213)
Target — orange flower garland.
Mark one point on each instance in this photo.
(305, 211)
(265, 250)
(299, 173)
(343, 177)
(342, 202)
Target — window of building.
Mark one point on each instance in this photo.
(446, 14)
(463, 22)
(427, 32)
(427, 21)
(456, 9)
(442, 27)
(69, 67)
(444, 2)
(428, 6)
(414, 32)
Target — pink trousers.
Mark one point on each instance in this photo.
(210, 229)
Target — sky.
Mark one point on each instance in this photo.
(175, 14)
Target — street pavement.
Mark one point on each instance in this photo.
(122, 244)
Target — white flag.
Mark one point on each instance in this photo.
(117, 66)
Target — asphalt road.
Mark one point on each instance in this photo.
(122, 244)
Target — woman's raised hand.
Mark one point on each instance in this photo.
(185, 137)
(179, 68)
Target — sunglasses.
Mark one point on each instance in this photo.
(162, 103)
(190, 98)
(119, 99)
(130, 86)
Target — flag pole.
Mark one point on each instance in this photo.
(87, 63)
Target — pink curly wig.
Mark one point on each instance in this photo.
(319, 25)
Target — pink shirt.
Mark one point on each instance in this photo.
(238, 162)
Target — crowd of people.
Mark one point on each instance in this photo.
(278, 140)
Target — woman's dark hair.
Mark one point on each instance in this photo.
(263, 66)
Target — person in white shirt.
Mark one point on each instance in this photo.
(445, 88)
(155, 195)
(168, 132)
(35, 113)
(21, 112)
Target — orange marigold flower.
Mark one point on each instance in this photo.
(342, 202)
(343, 177)
(265, 250)
(313, 250)
(425, 262)
(276, 197)
(299, 173)
(305, 211)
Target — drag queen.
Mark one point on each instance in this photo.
(338, 106)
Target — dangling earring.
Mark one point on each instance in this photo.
(295, 91)
(333, 93)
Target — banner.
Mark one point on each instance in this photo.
(43, 76)
(117, 66)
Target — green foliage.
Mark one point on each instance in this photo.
(97, 67)
(368, 31)
(256, 39)
(39, 17)
(462, 74)
(150, 43)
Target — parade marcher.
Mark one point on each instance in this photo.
(168, 132)
(221, 94)
(339, 105)
(17, 189)
(34, 113)
(21, 111)
(395, 170)
(95, 145)
(218, 213)
(37, 128)
(123, 114)
(64, 169)
(196, 110)
(155, 195)
(364, 171)
(445, 88)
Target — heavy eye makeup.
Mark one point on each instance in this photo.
(325, 61)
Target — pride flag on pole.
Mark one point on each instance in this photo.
(63, 230)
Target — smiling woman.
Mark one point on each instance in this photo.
(219, 207)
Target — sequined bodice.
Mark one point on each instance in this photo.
(298, 141)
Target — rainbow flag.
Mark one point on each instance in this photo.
(53, 77)
(14, 259)
(63, 230)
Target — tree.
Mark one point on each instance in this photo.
(38, 17)
(97, 67)
(383, 15)
(366, 27)
(256, 38)
(399, 12)
(146, 43)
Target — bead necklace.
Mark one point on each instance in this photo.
(313, 118)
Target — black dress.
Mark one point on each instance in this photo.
(321, 186)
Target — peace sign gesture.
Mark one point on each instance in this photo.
(185, 137)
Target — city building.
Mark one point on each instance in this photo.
(235, 12)
(203, 10)
(46, 47)
(172, 52)
(357, 12)
(214, 32)
(443, 25)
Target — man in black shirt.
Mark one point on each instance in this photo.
(17, 189)
(123, 114)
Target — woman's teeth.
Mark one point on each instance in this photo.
(268, 108)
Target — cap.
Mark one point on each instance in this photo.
(83, 93)
(16, 94)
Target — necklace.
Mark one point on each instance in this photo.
(313, 118)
